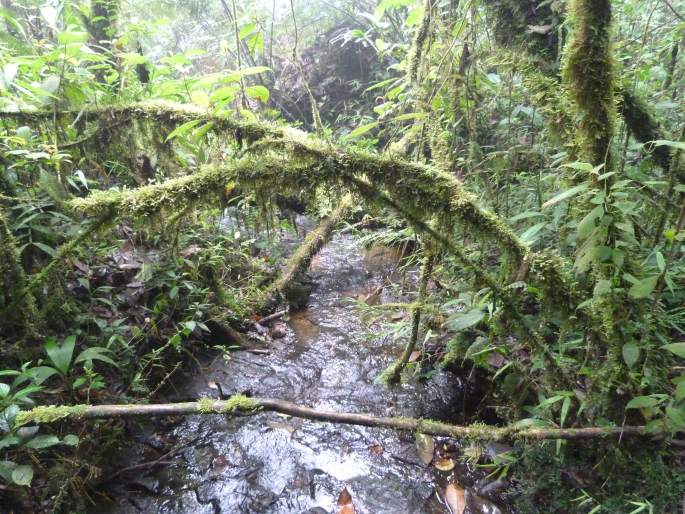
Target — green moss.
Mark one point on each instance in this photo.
(50, 413)
(239, 402)
(236, 403)
(589, 74)
(643, 126)
(17, 305)
(206, 405)
(513, 20)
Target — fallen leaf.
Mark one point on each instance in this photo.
(345, 505)
(445, 464)
(415, 355)
(212, 385)
(376, 448)
(425, 447)
(455, 499)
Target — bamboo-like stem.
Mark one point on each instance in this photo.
(240, 405)
(395, 371)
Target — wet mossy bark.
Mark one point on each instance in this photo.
(589, 74)
(17, 307)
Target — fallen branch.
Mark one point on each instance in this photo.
(302, 258)
(242, 405)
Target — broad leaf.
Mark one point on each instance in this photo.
(61, 355)
(569, 193)
(462, 320)
(677, 348)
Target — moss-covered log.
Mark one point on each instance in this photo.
(286, 158)
(169, 196)
(242, 405)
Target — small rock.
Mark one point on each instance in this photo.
(279, 330)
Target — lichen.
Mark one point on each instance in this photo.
(50, 414)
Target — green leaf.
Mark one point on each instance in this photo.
(96, 353)
(529, 235)
(631, 353)
(642, 402)
(462, 320)
(602, 287)
(70, 440)
(6, 468)
(4, 390)
(565, 406)
(680, 391)
(665, 142)
(677, 348)
(43, 441)
(259, 92)
(362, 129)
(47, 249)
(246, 30)
(183, 129)
(569, 193)
(588, 223)
(61, 355)
(22, 475)
(644, 287)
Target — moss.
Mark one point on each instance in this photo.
(589, 74)
(417, 47)
(643, 126)
(50, 413)
(236, 403)
(239, 402)
(17, 306)
(206, 406)
(514, 21)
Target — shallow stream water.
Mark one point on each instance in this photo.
(270, 463)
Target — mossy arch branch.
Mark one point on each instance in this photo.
(277, 157)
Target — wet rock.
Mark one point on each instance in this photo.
(442, 397)
(279, 330)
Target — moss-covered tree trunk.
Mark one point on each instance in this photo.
(17, 307)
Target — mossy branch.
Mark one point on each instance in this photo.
(302, 257)
(242, 405)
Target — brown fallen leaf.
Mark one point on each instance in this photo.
(444, 464)
(345, 505)
(455, 499)
(376, 448)
(415, 355)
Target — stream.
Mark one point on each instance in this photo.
(323, 357)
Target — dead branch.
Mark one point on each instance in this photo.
(242, 405)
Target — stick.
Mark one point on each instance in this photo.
(271, 317)
(242, 405)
